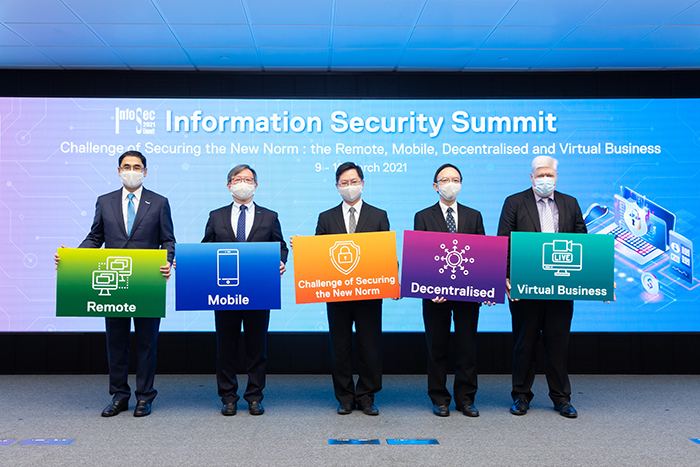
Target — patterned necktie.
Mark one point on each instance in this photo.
(547, 216)
(353, 221)
(240, 233)
(130, 213)
(451, 226)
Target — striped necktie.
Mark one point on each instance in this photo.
(547, 216)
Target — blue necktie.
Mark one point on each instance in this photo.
(451, 226)
(240, 232)
(130, 213)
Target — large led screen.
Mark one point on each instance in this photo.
(633, 165)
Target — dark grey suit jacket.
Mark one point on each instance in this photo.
(371, 220)
(432, 220)
(266, 228)
(152, 229)
(520, 214)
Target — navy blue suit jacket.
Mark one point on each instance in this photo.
(266, 228)
(152, 229)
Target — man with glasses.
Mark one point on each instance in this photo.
(243, 221)
(132, 217)
(450, 216)
(351, 216)
(541, 209)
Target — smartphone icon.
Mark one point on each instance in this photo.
(681, 255)
(227, 267)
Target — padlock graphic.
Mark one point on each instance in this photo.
(344, 255)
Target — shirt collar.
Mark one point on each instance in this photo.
(137, 193)
(248, 205)
(357, 206)
(538, 197)
(444, 207)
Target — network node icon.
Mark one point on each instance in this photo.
(454, 259)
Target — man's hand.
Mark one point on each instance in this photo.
(282, 268)
(439, 300)
(614, 297)
(291, 241)
(508, 291)
(166, 270)
(57, 258)
(488, 303)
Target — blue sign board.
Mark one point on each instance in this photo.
(411, 441)
(227, 276)
(354, 441)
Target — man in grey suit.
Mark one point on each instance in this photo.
(351, 216)
(132, 218)
(447, 215)
(541, 209)
(252, 223)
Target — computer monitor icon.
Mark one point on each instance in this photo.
(562, 256)
(105, 281)
(120, 264)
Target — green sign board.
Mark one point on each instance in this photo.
(561, 266)
(110, 283)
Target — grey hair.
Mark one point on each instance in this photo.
(238, 169)
(544, 161)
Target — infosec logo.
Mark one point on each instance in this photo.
(454, 259)
(145, 120)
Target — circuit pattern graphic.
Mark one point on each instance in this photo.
(454, 259)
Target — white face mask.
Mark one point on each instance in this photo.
(131, 178)
(242, 190)
(449, 191)
(544, 186)
(350, 193)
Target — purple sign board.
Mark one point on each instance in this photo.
(465, 268)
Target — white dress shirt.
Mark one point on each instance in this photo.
(444, 207)
(249, 217)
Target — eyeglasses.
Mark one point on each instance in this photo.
(346, 183)
(128, 168)
(238, 180)
(445, 181)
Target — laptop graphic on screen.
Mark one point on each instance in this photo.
(641, 227)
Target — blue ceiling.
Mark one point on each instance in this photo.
(350, 35)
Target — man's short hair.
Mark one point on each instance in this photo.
(238, 169)
(133, 154)
(544, 161)
(348, 166)
(443, 167)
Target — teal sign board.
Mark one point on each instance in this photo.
(560, 266)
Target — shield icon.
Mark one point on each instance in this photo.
(345, 255)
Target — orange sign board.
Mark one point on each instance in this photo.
(339, 268)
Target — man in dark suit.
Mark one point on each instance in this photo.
(132, 218)
(243, 221)
(541, 209)
(351, 216)
(449, 216)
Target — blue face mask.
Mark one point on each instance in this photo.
(544, 186)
